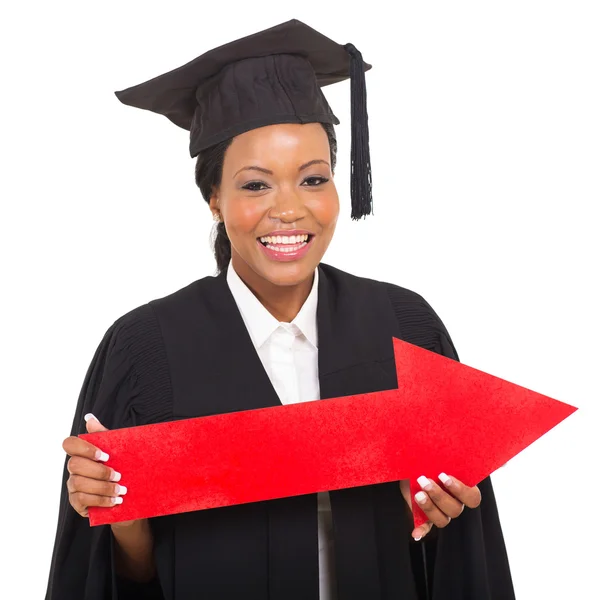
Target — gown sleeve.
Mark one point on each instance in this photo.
(468, 558)
(116, 391)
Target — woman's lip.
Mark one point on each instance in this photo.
(286, 256)
(288, 232)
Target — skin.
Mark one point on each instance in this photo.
(297, 192)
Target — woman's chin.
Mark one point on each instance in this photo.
(288, 273)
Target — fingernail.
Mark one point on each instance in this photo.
(89, 416)
(101, 456)
(421, 497)
(419, 538)
(447, 481)
(121, 490)
(116, 476)
(117, 500)
(424, 482)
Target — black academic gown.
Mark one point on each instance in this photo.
(189, 355)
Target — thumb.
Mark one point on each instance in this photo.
(422, 530)
(92, 424)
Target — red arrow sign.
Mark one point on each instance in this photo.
(444, 417)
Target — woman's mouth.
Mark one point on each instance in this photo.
(285, 247)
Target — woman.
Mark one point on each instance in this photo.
(274, 327)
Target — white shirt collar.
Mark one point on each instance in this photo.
(260, 323)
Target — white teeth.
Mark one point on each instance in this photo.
(284, 239)
(289, 248)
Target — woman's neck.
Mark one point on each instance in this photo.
(282, 301)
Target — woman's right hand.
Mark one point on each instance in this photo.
(91, 483)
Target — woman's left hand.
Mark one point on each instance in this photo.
(440, 505)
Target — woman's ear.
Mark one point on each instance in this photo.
(213, 203)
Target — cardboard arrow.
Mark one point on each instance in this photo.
(444, 417)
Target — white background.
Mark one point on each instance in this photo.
(485, 146)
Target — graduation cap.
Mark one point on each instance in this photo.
(444, 417)
(271, 77)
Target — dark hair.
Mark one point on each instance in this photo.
(209, 170)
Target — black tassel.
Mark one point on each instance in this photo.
(360, 156)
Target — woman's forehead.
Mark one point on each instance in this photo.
(282, 141)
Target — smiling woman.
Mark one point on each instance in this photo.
(289, 144)
(275, 229)
(275, 326)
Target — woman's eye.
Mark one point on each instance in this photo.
(254, 186)
(314, 181)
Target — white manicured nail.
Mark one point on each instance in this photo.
(89, 416)
(101, 456)
(424, 482)
(121, 490)
(445, 479)
(116, 476)
(117, 500)
(419, 538)
(421, 497)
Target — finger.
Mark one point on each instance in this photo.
(85, 467)
(81, 501)
(75, 446)
(469, 496)
(434, 514)
(92, 424)
(78, 483)
(443, 500)
(422, 530)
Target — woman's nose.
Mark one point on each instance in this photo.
(288, 207)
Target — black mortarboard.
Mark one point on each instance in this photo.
(273, 76)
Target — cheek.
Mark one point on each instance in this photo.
(242, 216)
(326, 210)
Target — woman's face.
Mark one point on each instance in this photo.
(278, 201)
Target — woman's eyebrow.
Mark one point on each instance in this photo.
(312, 162)
(254, 168)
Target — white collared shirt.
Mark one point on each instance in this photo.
(289, 354)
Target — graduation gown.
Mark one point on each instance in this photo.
(189, 355)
